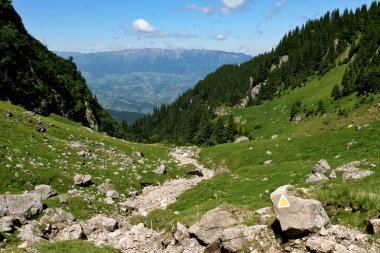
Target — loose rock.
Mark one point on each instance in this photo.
(82, 180)
(160, 170)
(45, 191)
(25, 205)
(300, 216)
(321, 167)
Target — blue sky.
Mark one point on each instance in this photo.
(248, 26)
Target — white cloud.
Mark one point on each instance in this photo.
(232, 5)
(141, 25)
(277, 6)
(221, 36)
(193, 7)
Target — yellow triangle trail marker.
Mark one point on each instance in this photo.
(283, 202)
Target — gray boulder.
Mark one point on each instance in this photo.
(82, 180)
(160, 170)
(45, 191)
(321, 167)
(73, 232)
(317, 177)
(25, 205)
(296, 215)
(210, 228)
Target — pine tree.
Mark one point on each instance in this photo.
(336, 92)
(231, 129)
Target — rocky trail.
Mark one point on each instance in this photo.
(159, 197)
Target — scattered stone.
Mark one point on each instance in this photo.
(73, 232)
(269, 152)
(45, 191)
(356, 175)
(296, 215)
(374, 225)
(332, 175)
(82, 180)
(9, 114)
(349, 167)
(7, 224)
(317, 244)
(264, 210)
(137, 153)
(100, 222)
(41, 129)
(268, 162)
(30, 233)
(25, 205)
(30, 113)
(297, 118)
(105, 187)
(113, 194)
(321, 167)
(241, 139)
(57, 215)
(160, 170)
(181, 232)
(317, 177)
(109, 201)
(63, 200)
(274, 136)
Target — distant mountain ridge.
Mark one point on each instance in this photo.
(140, 79)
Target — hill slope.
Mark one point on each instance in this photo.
(349, 38)
(41, 81)
(140, 79)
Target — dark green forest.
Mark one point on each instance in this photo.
(41, 81)
(312, 49)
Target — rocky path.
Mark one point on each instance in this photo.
(159, 197)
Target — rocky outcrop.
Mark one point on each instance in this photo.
(25, 205)
(90, 117)
(316, 177)
(297, 216)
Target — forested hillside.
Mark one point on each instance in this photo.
(350, 37)
(39, 80)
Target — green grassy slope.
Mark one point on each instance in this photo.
(29, 157)
(295, 151)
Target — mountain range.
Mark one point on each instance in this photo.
(138, 80)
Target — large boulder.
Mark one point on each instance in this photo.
(210, 228)
(297, 216)
(82, 180)
(25, 205)
(321, 167)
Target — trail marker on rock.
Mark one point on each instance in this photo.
(283, 202)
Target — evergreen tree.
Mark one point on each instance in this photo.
(231, 129)
(336, 92)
